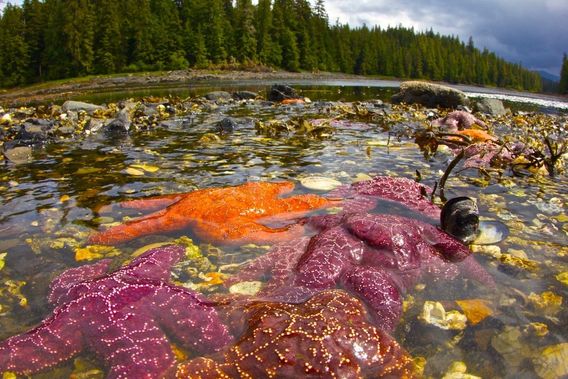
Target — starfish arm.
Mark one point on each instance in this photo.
(154, 264)
(192, 319)
(55, 340)
(471, 269)
(380, 292)
(447, 246)
(304, 203)
(162, 221)
(68, 278)
(327, 255)
(152, 203)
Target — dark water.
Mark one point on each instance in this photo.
(49, 206)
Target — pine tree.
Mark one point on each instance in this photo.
(14, 58)
(563, 86)
(35, 23)
(109, 50)
(78, 28)
(263, 25)
(246, 32)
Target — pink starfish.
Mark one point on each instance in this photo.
(122, 317)
(458, 120)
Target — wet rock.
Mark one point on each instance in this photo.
(245, 95)
(218, 96)
(493, 107)
(115, 129)
(18, 154)
(34, 132)
(76, 106)
(280, 92)
(430, 95)
(226, 125)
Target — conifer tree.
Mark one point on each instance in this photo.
(563, 86)
(14, 58)
(246, 32)
(35, 23)
(78, 28)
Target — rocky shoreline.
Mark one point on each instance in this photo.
(530, 140)
(54, 91)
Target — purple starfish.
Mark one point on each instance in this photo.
(458, 120)
(363, 196)
(376, 256)
(122, 317)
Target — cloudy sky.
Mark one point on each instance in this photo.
(532, 32)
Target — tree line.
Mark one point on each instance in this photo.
(53, 39)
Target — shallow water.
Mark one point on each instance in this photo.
(48, 208)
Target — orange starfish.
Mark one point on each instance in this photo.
(477, 135)
(221, 215)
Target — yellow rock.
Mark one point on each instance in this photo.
(552, 362)
(433, 313)
(320, 183)
(539, 329)
(563, 278)
(476, 310)
(457, 370)
(246, 288)
(134, 171)
(145, 167)
(2, 260)
(93, 252)
(547, 302)
(64, 198)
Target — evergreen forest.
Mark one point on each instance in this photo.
(54, 39)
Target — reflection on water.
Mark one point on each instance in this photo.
(49, 206)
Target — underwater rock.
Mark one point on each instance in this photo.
(552, 362)
(433, 313)
(319, 183)
(226, 125)
(18, 154)
(115, 129)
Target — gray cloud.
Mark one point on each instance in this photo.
(532, 32)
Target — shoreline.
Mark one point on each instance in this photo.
(69, 88)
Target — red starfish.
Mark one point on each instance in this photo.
(327, 336)
(221, 215)
(122, 317)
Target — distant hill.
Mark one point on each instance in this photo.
(548, 76)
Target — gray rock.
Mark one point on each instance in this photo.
(218, 95)
(279, 92)
(19, 154)
(430, 95)
(34, 131)
(245, 95)
(115, 129)
(493, 107)
(226, 125)
(77, 106)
